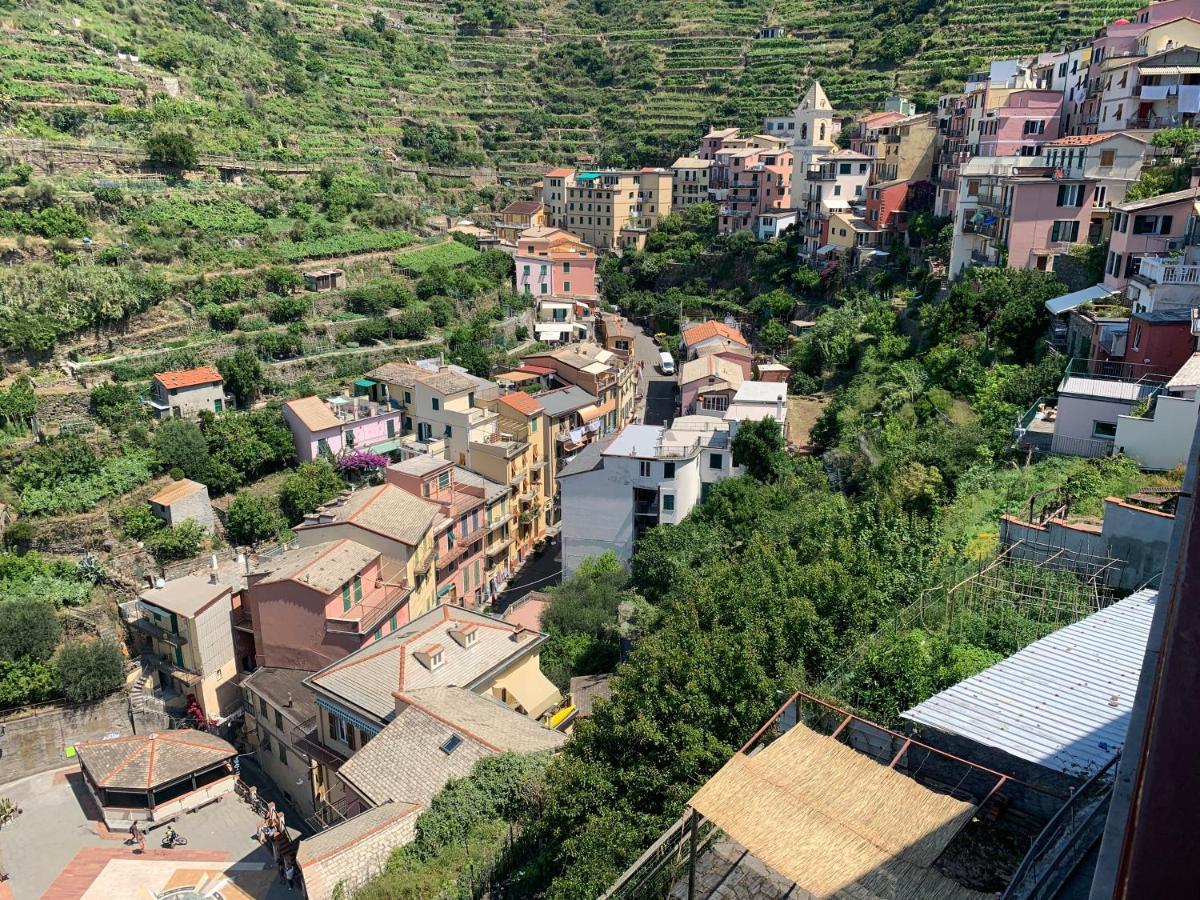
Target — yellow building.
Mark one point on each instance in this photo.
(187, 637)
(609, 208)
(513, 455)
(690, 182)
(394, 522)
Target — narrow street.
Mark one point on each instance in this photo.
(658, 390)
(539, 573)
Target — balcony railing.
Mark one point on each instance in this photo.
(1157, 270)
(147, 627)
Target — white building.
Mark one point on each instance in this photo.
(1162, 439)
(645, 475)
(757, 400)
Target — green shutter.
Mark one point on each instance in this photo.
(346, 597)
(358, 589)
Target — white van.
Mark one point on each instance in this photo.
(666, 364)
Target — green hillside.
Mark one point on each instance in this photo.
(509, 83)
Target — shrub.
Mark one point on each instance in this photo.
(307, 488)
(182, 541)
(27, 681)
(287, 309)
(181, 444)
(90, 670)
(252, 519)
(116, 405)
(28, 629)
(243, 374)
(138, 522)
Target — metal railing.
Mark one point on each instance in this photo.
(1161, 271)
(1065, 840)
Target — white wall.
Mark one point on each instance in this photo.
(597, 514)
(1077, 417)
(1162, 442)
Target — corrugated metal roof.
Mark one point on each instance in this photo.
(1064, 701)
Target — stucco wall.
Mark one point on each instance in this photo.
(196, 507)
(1077, 415)
(36, 740)
(597, 515)
(1161, 442)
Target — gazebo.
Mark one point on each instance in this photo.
(155, 777)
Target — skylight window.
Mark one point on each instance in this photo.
(452, 744)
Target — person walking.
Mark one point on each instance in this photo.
(137, 836)
(290, 873)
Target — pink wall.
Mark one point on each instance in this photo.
(1034, 211)
(366, 433)
(1125, 243)
(289, 621)
(579, 273)
(1022, 107)
(463, 591)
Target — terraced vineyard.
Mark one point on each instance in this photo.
(310, 80)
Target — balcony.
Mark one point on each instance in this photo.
(164, 665)
(145, 626)
(820, 175)
(1157, 270)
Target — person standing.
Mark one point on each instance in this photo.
(290, 873)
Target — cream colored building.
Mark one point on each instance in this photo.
(690, 182)
(279, 714)
(187, 637)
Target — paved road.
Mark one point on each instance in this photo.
(540, 573)
(658, 389)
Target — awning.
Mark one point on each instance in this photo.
(1067, 302)
(826, 248)
(516, 377)
(529, 689)
(989, 220)
(387, 446)
(596, 411)
(365, 383)
(549, 333)
(1169, 70)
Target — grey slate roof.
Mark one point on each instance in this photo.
(491, 489)
(450, 382)
(281, 686)
(355, 847)
(368, 677)
(405, 762)
(150, 760)
(1064, 701)
(324, 567)
(564, 400)
(588, 459)
(186, 596)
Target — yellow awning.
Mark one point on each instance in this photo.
(595, 411)
(526, 687)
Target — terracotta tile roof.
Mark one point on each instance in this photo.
(711, 329)
(177, 490)
(386, 510)
(189, 377)
(522, 403)
(522, 208)
(560, 173)
(1076, 140)
(324, 567)
(313, 413)
(147, 760)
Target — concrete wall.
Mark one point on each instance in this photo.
(212, 654)
(191, 401)
(1077, 417)
(36, 740)
(195, 507)
(597, 515)
(1163, 441)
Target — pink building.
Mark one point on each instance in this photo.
(1048, 215)
(760, 183)
(341, 424)
(311, 606)
(712, 142)
(1021, 124)
(1145, 228)
(551, 262)
(459, 538)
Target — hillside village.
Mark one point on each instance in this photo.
(790, 496)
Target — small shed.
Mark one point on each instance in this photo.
(155, 777)
(325, 280)
(183, 500)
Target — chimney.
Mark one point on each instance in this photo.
(289, 700)
(243, 563)
(779, 406)
(213, 570)
(150, 579)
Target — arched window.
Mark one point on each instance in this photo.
(822, 131)
(804, 132)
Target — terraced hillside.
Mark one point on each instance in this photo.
(506, 83)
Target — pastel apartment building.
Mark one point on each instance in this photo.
(447, 415)
(716, 338)
(314, 604)
(609, 376)
(460, 535)
(616, 490)
(279, 710)
(1112, 160)
(760, 184)
(607, 209)
(551, 262)
(340, 424)
(500, 551)
(1021, 124)
(707, 385)
(398, 525)
(1017, 215)
(184, 626)
(517, 217)
(689, 182)
(399, 719)
(187, 393)
(511, 455)
(1161, 439)
(836, 182)
(1146, 229)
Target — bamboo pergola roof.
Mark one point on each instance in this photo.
(836, 822)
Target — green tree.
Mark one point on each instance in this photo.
(182, 541)
(243, 374)
(90, 670)
(172, 148)
(18, 403)
(28, 629)
(116, 405)
(307, 488)
(180, 444)
(252, 519)
(138, 522)
(759, 447)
